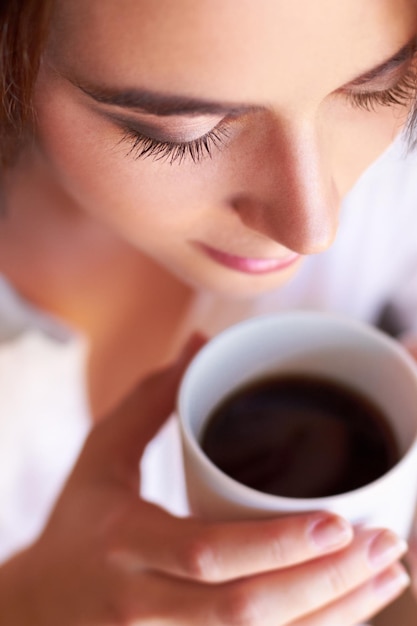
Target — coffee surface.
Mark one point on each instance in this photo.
(300, 436)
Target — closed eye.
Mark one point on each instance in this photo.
(142, 146)
(403, 93)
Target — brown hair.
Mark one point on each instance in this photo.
(23, 29)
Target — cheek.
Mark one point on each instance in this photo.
(140, 198)
(359, 138)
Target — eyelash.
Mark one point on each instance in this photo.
(142, 146)
(171, 151)
(399, 95)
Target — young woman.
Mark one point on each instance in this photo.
(172, 166)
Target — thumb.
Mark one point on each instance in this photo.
(115, 446)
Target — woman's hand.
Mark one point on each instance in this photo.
(107, 558)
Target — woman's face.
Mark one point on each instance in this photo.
(219, 136)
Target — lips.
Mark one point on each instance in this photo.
(249, 265)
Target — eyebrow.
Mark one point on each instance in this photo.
(163, 104)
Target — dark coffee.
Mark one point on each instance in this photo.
(300, 436)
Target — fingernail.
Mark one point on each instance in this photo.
(330, 532)
(384, 548)
(391, 582)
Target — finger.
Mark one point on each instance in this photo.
(218, 552)
(264, 599)
(363, 603)
(309, 587)
(117, 443)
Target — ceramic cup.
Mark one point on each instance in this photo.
(314, 343)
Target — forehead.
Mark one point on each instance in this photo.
(241, 49)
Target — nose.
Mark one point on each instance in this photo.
(288, 193)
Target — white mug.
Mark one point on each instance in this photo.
(303, 342)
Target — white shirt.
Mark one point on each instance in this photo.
(44, 414)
